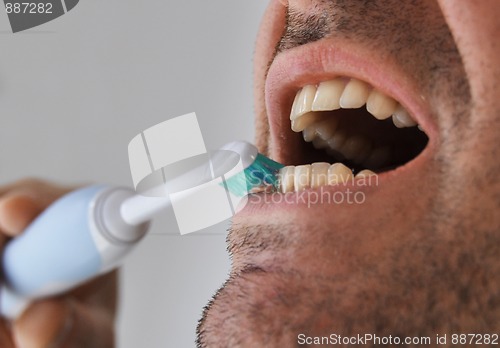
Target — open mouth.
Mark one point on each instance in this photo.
(338, 110)
(351, 124)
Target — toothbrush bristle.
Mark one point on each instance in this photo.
(261, 175)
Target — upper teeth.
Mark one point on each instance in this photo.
(347, 94)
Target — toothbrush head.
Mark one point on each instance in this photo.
(260, 173)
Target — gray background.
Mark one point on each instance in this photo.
(74, 92)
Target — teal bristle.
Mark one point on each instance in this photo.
(259, 176)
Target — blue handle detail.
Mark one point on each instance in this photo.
(57, 251)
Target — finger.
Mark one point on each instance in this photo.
(39, 324)
(42, 191)
(17, 211)
(5, 339)
(99, 292)
(63, 323)
(23, 183)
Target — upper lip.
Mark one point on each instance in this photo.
(325, 60)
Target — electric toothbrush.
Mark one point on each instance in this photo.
(90, 231)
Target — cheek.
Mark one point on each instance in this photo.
(475, 27)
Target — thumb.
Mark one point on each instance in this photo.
(17, 210)
(61, 323)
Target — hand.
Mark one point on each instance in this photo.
(82, 318)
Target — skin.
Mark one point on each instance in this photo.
(82, 318)
(420, 256)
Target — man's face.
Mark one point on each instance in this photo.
(419, 255)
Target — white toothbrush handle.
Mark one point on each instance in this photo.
(78, 237)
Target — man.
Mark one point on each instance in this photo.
(420, 256)
(417, 256)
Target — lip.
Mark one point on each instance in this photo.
(324, 60)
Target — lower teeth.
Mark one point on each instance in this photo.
(298, 178)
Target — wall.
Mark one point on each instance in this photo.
(74, 91)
